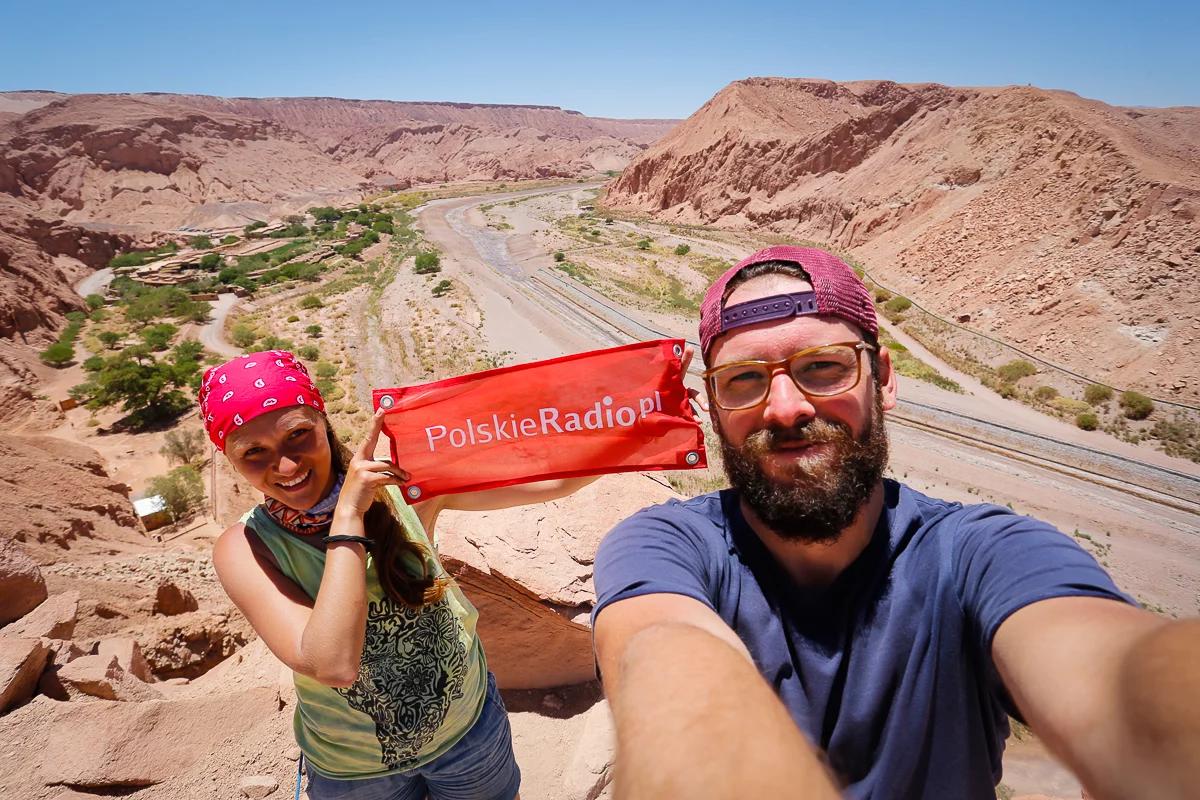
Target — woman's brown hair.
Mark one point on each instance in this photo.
(393, 548)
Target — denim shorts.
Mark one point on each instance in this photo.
(480, 766)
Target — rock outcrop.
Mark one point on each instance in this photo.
(1064, 225)
(22, 587)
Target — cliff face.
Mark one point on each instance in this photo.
(82, 175)
(1064, 225)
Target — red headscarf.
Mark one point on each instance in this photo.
(244, 387)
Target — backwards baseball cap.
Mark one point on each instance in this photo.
(251, 385)
(836, 292)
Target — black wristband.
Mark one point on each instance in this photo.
(364, 541)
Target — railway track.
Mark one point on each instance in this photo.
(611, 325)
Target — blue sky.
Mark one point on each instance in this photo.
(619, 59)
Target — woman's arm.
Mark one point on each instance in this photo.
(321, 639)
(283, 615)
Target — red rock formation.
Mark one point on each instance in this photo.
(1006, 204)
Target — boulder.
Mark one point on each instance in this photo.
(102, 744)
(172, 599)
(187, 645)
(54, 619)
(22, 587)
(128, 655)
(256, 786)
(21, 663)
(95, 676)
(590, 770)
(529, 572)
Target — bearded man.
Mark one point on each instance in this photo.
(896, 632)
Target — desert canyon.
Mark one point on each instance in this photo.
(1036, 222)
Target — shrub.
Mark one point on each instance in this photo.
(293, 318)
(1136, 405)
(1015, 370)
(324, 369)
(58, 354)
(560, 256)
(1069, 406)
(643, 244)
(309, 352)
(243, 335)
(158, 337)
(882, 295)
(313, 330)
(311, 301)
(274, 343)
(181, 489)
(93, 363)
(230, 239)
(109, 339)
(185, 447)
(252, 227)
(201, 242)
(1087, 421)
(211, 261)
(682, 250)
(1096, 393)
(1006, 390)
(94, 301)
(1044, 394)
(443, 286)
(898, 305)
(99, 315)
(427, 263)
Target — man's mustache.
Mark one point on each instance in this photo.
(816, 431)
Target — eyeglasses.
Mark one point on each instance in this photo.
(817, 372)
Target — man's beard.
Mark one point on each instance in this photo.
(814, 501)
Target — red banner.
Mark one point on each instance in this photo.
(619, 410)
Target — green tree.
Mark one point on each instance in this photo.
(58, 354)
(230, 239)
(185, 446)
(560, 256)
(682, 250)
(211, 261)
(250, 229)
(427, 263)
(146, 388)
(94, 301)
(442, 287)
(313, 331)
(109, 339)
(158, 337)
(200, 242)
(182, 489)
(1136, 405)
(243, 335)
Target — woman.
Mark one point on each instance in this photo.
(341, 580)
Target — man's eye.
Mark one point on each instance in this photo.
(251, 452)
(747, 376)
(296, 434)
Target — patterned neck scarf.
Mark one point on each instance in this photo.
(306, 523)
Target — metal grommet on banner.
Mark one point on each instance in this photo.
(692, 458)
(678, 351)
(413, 492)
(387, 401)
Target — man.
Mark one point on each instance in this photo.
(898, 631)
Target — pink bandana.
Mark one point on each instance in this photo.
(243, 388)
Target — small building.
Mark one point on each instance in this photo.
(152, 511)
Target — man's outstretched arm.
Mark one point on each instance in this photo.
(1113, 690)
(694, 718)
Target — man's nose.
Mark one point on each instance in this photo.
(287, 465)
(786, 405)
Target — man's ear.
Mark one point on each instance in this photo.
(886, 379)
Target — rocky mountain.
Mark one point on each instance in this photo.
(1064, 225)
(83, 175)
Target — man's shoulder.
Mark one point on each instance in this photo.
(704, 511)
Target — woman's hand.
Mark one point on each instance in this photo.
(365, 475)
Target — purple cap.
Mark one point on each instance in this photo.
(836, 292)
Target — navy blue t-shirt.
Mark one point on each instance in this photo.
(889, 669)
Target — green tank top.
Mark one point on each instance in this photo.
(422, 680)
